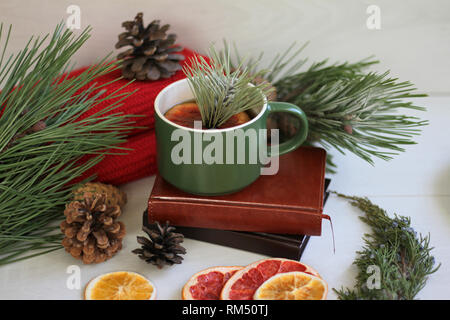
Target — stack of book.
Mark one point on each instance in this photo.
(274, 216)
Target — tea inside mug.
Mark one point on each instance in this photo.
(186, 113)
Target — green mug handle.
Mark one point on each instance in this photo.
(300, 136)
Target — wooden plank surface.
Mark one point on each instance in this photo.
(416, 184)
(412, 41)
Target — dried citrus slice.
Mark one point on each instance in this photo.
(207, 284)
(121, 285)
(292, 286)
(243, 284)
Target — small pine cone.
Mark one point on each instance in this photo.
(152, 55)
(162, 246)
(272, 95)
(38, 126)
(91, 231)
(114, 196)
(348, 128)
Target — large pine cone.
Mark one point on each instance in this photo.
(152, 54)
(92, 233)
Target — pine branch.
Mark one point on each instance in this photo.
(357, 114)
(42, 138)
(403, 257)
(348, 109)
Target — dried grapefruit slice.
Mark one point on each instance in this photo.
(243, 284)
(292, 286)
(121, 285)
(207, 284)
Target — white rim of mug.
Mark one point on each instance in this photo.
(164, 91)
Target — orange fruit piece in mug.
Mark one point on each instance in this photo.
(186, 113)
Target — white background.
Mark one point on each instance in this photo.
(413, 43)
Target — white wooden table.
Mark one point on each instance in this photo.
(416, 184)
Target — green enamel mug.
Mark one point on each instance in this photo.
(218, 161)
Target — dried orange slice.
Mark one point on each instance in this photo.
(184, 114)
(207, 284)
(292, 286)
(243, 284)
(121, 285)
(236, 120)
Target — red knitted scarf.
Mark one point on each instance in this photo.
(140, 161)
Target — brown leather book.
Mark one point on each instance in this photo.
(289, 246)
(289, 202)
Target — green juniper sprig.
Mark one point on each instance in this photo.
(403, 256)
(221, 91)
(42, 138)
(348, 109)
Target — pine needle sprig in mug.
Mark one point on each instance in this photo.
(221, 91)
